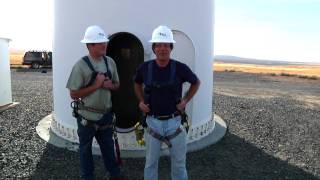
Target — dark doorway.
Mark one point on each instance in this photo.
(127, 52)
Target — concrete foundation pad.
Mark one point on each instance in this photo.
(44, 131)
(8, 106)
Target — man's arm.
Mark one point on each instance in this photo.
(189, 95)
(138, 89)
(192, 91)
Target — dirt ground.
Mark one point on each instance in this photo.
(267, 86)
(274, 117)
(273, 132)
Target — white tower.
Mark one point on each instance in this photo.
(5, 76)
(129, 25)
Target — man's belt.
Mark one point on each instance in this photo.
(95, 110)
(166, 117)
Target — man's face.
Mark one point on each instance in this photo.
(99, 49)
(162, 51)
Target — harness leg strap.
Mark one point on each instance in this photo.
(165, 139)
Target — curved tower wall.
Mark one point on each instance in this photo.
(191, 21)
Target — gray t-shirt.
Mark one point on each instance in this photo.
(101, 98)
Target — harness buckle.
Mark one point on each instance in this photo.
(84, 122)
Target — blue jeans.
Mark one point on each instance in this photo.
(177, 151)
(105, 141)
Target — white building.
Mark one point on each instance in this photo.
(5, 76)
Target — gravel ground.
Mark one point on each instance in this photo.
(273, 132)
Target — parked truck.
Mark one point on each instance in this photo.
(37, 59)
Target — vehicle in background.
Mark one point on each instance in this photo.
(37, 59)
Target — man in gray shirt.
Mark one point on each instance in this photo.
(90, 83)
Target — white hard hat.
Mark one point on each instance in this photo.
(94, 34)
(162, 34)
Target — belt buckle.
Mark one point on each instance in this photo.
(163, 117)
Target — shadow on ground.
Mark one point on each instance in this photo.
(231, 158)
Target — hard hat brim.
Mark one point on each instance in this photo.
(162, 41)
(86, 41)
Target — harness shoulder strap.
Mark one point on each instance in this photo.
(87, 60)
(172, 72)
(150, 72)
(107, 66)
(94, 73)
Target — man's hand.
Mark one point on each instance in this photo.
(99, 80)
(107, 84)
(144, 107)
(182, 105)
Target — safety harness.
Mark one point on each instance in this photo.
(94, 72)
(78, 104)
(150, 86)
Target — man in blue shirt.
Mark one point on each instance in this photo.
(158, 87)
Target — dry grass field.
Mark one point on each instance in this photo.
(16, 59)
(309, 71)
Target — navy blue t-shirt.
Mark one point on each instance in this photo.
(163, 101)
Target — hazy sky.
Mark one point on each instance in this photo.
(29, 23)
(268, 29)
(264, 29)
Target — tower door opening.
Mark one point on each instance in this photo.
(127, 52)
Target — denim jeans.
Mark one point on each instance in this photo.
(105, 141)
(177, 151)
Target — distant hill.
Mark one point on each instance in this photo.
(283, 68)
(241, 60)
